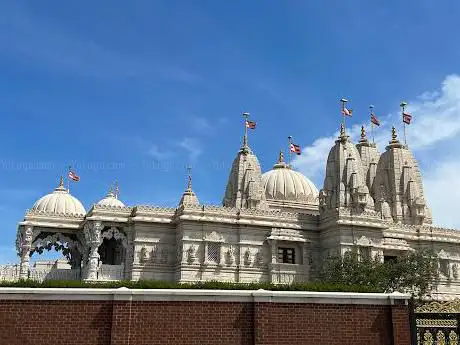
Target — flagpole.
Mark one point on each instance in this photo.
(403, 108)
(343, 100)
(68, 179)
(289, 148)
(245, 139)
(371, 107)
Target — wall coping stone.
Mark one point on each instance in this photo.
(202, 295)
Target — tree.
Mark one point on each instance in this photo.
(415, 272)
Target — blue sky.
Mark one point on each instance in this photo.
(134, 91)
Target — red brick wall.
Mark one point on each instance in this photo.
(55, 322)
(200, 323)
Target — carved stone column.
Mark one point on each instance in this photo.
(93, 238)
(26, 245)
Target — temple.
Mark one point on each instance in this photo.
(273, 226)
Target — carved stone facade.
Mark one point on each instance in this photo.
(273, 227)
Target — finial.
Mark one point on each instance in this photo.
(363, 135)
(394, 137)
(61, 182)
(245, 138)
(342, 131)
(116, 190)
(189, 178)
(281, 157)
(110, 193)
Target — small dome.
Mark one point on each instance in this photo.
(110, 200)
(283, 183)
(189, 197)
(59, 202)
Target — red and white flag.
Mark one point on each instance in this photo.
(407, 118)
(347, 112)
(295, 148)
(250, 124)
(375, 120)
(74, 177)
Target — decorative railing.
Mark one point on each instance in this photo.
(110, 272)
(287, 273)
(43, 274)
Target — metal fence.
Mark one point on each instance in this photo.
(435, 323)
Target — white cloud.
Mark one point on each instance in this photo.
(443, 198)
(156, 153)
(193, 146)
(203, 125)
(435, 127)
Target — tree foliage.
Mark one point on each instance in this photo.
(415, 272)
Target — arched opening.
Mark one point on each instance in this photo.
(59, 257)
(111, 251)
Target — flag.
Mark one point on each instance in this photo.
(74, 177)
(295, 148)
(250, 124)
(407, 118)
(347, 112)
(375, 120)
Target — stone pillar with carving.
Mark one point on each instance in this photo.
(25, 247)
(93, 237)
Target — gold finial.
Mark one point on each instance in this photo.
(61, 182)
(281, 157)
(394, 136)
(363, 135)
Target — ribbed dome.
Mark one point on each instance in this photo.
(111, 201)
(283, 183)
(59, 202)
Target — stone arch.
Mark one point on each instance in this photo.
(113, 247)
(70, 247)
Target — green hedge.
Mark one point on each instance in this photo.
(155, 284)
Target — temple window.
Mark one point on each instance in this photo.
(444, 267)
(365, 253)
(213, 252)
(389, 258)
(286, 255)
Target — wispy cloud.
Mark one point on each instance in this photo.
(435, 127)
(193, 146)
(158, 154)
(202, 125)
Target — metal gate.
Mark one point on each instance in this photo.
(436, 323)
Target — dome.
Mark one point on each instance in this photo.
(110, 200)
(59, 202)
(283, 183)
(189, 197)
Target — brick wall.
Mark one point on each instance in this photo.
(181, 318)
